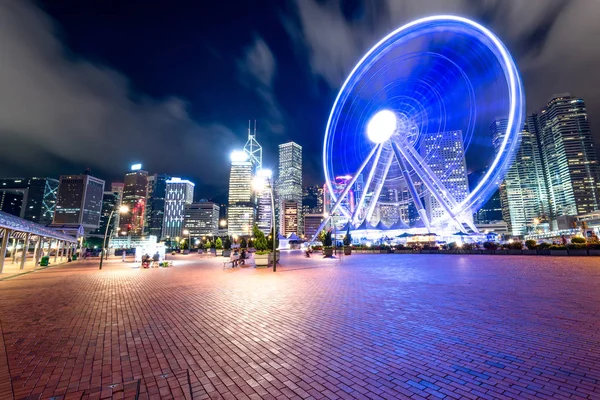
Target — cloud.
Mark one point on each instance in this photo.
(64, 107)
(553, 40)
(258, 69)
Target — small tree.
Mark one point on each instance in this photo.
(270, 239)
(251, 242)
(328, 242)
(243, 243)
(531, 244)
(207, 245)
(219, 243)
(260, 242)
(578, 240)
(322, 235)
(227, 243)
(348, 238)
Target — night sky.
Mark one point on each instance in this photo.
(172, 84)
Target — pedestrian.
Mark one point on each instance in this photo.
(155, 259)
(123, 255)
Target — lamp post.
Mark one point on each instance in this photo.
(122, 210)
(262, 179)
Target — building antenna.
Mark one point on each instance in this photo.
(254, 127)
(249, 129)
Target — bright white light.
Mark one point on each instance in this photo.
(264, 173)
(136, 167)
(258, 184)
(123, 209)
(238, 156)
(382, 126)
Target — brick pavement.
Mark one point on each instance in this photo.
(366, 326)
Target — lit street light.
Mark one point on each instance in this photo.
(263, 181)
(187, 232)
(122, 210)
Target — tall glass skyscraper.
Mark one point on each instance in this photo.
(155, 204)
(241, 208)
(79, 201)
(523, 193)
(179, 192)
(289, 184)
(33, 199)
(570, 159)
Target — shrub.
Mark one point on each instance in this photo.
(348, 238)
(593, 245)
(260, 242)
(452, 246)
(578, 240)
(327, 242)
(516, 245)
(531, 244)
(558, 247)
(467, 246)
(218, 244)
(227, 243)
(576, 246)
(490, 245)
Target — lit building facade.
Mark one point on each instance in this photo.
(33, 199)
(110, 203)
(79, 201)
(289, 184)
(311, 224)
(241, 208)
(523, 195)
(179, 193)
(570, 159)
(290, 214)
(201, 219)
(445, 156)
(134, 197)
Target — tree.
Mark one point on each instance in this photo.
(243, 243)
(250, 243)
(260, 242)
(348, 238)
(207, 245)
(227, 243)
(270, 239)
(218, 244)
(328, 242)
(322, 235)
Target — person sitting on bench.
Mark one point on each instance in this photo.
(243, 256)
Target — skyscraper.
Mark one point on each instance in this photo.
(79, 201)
(109, 204)
(241, 208)
(523, 194)
(33, 199)
(289, 185)
(134, 197)
(290, 214)
(263, 198)
(179, 192)
(446, 159)
(569, 156)
(155, 204)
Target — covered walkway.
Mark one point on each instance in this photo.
(18, 237)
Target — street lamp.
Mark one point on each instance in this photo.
(122, 210)
(263, 180)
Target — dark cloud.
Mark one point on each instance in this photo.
(61, 107)
(554, 41)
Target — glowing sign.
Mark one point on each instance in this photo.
(136, 167)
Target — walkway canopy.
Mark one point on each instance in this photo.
(21, 230)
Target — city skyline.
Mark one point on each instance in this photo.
(287, 87)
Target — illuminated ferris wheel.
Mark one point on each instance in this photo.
(414, 116)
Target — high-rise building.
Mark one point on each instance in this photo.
(201, 219)
(79, 201)
(134, 197)
(289, 184)
(491, 211)
(446, 159)
(179, 192)
(33, 199)
(241, 208)
(523, 194)
(312, 200)
(290, 214)
(155, 204)
(569, 156)
(110, 203)
(117, 189)
(311, 224)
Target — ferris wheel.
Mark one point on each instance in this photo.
(415, 116)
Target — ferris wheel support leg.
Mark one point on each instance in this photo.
(411, 188)
(433, 184)
(347, 189)
(361, 201)
(378, 190)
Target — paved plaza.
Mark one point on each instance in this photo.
(364, 326)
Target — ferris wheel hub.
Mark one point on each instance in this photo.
(382, 126)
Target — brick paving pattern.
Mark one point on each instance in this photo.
(366, 327)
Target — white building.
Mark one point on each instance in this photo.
(445, 156)
(289, 185)
(179, 193)
(241, 210)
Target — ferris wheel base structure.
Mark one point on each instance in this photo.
(412, 117)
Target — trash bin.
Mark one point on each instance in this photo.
(45, 261)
